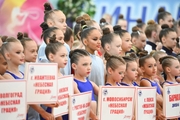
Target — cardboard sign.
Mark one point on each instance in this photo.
(146, 103)
(65, 88)
(13, 100)
(116, 103)
(41, 83)
(171, 101)
(79, 106)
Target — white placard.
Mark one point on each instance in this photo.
(41, 83)
(79, 106)
(116, 103)
(146, 103)
(171, 101)
(65, 88)
(13, 100)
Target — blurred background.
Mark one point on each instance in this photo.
(27, 15)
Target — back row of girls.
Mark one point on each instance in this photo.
(102, 55)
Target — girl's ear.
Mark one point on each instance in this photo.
(154, 34)
(85, 41)
(7, 56)
(74, 66)
(142, 69)
(50, 23)
(133, 40)
(107, 47)
(51, 57)
(161, 21)
(163, 39)
(168, 69)
(109, 71)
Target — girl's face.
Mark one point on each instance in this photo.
(30, 51)
(118, 74)
(170, 40)
(59, 36)
(83, 66)
(126, 42)
(15, 53)
(59, 20)
(93, 40)
(131, 71)
(175, 68)
(140, 42)
(149, 68)
(3, 65)
(115, 46)
(168, 20)
(123, 24)
(60, 57)
(159, 66)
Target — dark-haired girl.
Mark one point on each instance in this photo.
(91, 38)
(168, 38)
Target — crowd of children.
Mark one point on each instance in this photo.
(98, 54)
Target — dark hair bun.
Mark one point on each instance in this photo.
(102, 20)
(135, 29)
(139, 21)
(161, 9)
(179, 23)
(121, 16)
(133, 55)
(83, 24)
(53, 39)
(44, 26)
(20, 36)
(117, 28)
(151, 22)
(164, 26)
(107, 56)
(47, 7)
(106, 31)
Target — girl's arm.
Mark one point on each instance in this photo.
(43, 113)
(95, 87)
(76, 90)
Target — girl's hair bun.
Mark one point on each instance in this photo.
(47, 7)
(117, 28)
(121, 16)
(107, 56)
(53, 39)
(102, 20)
(79, 19)
(83, 24)
(86, 17)
(135, 29)
(20, 36)
(161, 9)
(106, 31)
(44, 26)
(139, 20)
(164, 26)
(151, 22)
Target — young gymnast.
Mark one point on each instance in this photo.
(126, 40)
(168, 37)
(115, 68)
(131, 72)
(91, 38)
(12, 50)
(30, 49)
(152, 33)
(171, 68)
(81, 64)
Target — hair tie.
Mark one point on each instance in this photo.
(138, 32)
